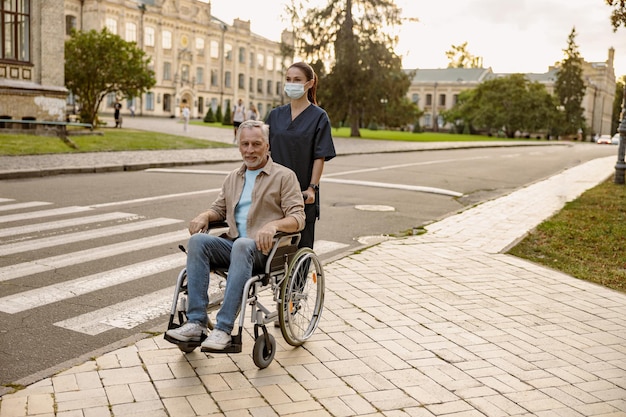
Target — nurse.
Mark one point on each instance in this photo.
(301, 139)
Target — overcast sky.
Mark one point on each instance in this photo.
(511, 35)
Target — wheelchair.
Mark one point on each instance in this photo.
(295, 280)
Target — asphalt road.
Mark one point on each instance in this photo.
(120, 290)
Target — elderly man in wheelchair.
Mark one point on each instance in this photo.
(257, 202)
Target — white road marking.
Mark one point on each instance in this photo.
(125, 315)
(395, 186)
(187, 171)
(40, 227)
(19, 206)
(6, 200)
(13, 248)
(158, 197)
(43, 213)
(88, 255)
(64, 290)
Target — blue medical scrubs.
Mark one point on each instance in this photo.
(296, 144)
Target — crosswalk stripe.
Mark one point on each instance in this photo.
(40, 227)
(88, 255)
(57, 292)
(125, 315)
(43, 213)
(6, 200)
(18, 206)
(19, 247)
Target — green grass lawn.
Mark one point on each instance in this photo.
(110, 140)
(587, 239)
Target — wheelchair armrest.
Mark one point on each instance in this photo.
(218, 225)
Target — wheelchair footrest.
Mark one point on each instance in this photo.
(191, 344)
(234, 347)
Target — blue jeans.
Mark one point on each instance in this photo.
(206, 251)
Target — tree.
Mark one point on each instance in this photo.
(99, 63)
(459, 57)
(508, 104)
(363, 67)
(618, 15)
(570, 87)
(209, 117)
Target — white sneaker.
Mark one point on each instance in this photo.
(189, 331)
(217, 340)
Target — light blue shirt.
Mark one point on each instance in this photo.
(245, 201)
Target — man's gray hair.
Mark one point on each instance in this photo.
(253, 124)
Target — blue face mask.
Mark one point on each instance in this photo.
(294, 90)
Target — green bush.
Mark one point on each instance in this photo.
(209, 117)
(227, 119)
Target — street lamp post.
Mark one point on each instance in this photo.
(620, 166)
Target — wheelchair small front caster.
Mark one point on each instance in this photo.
(264, 350)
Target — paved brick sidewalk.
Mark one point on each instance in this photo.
(441, 324)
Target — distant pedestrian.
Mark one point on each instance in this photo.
(116, 114)
(185, 118)
(132, 110)
(239, 115)
(252, 113)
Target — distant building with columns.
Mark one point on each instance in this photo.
(198, 59)
(436, 90)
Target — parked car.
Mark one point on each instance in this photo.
(604, 140)
(615, 139)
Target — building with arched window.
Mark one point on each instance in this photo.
(197, 58)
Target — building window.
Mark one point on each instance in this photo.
(270, 63)
(184, 73)
(260, 60)
(149, 101)
(167, 71)
(455, 99)
(442, 99)
(228, 52)
(199, 75)
(167, 39)
(131, 32)
(15, 35)
(111, 25)
(148, 38)
(215, 49)
(214, 78)
(167, 103)
(228, 82)
(259, 108)
(242, 82)
(111, 99)
(259, 85)
(279, 88)
(251, 59)
(70, 24)
(251, 84)
(429, 99)
(269, 87)
(415, 98)
(200, 44)
(242, 55)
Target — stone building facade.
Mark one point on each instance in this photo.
(32, 82)
(199, 60)
(436, 90)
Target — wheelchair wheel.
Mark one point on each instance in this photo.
(301, 297)
(262, 353)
